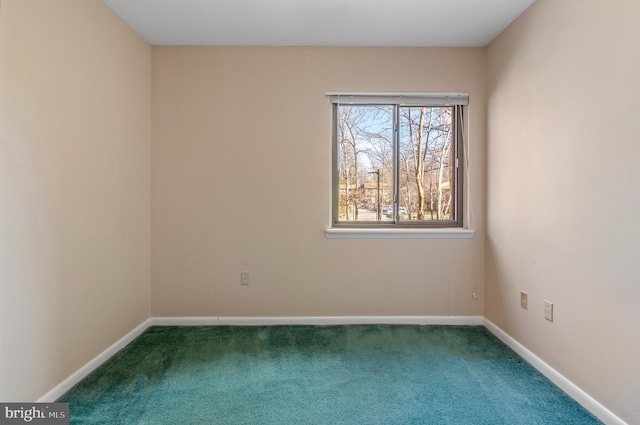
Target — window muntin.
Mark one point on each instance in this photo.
(395, 164)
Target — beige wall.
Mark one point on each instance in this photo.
(563, 97)
(241, 174)
(74, 188)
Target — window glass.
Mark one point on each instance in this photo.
(396, 165)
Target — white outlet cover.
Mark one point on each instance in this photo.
(548, 310)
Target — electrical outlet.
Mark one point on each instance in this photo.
(244, 278)
(548, 310)
(524, 300)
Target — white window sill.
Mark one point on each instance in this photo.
(386, 233)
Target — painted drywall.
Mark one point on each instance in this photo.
(75, 92)
(562, 216)
(241, 181)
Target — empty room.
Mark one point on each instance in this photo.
(319, 212)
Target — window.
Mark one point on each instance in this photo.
(397, 160)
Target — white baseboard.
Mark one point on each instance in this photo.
(85, 370)
(588, 402)
(320, 320)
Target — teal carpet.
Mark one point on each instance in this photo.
(329, 375)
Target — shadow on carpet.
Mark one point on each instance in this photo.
(329, 375)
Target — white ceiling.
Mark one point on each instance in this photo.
(434, 23)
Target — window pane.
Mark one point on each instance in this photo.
(365, 162)
(426, 164)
